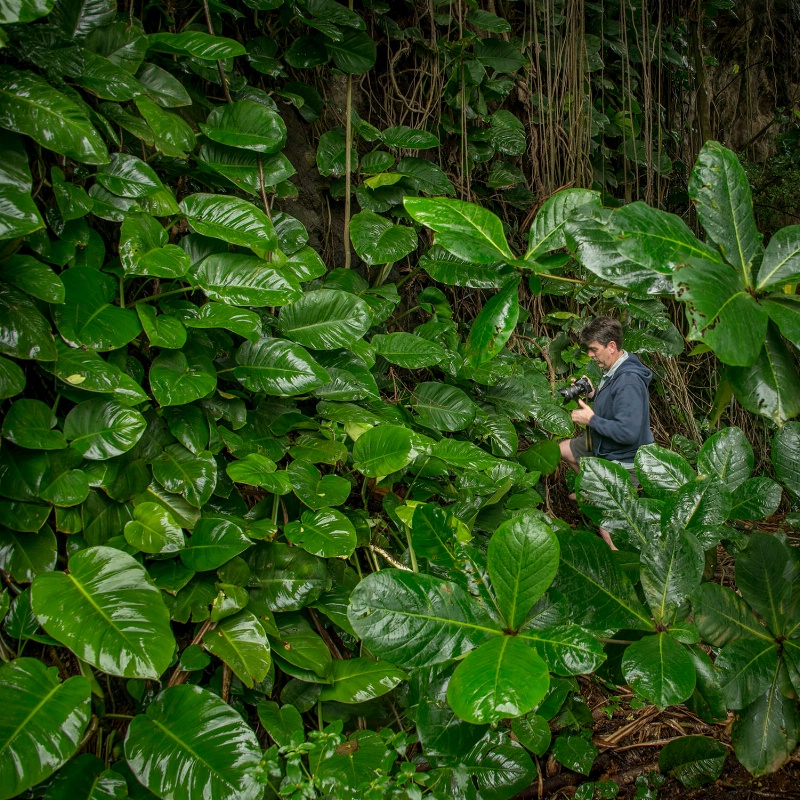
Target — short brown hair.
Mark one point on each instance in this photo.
(602, 330)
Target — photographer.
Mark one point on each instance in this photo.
(620, 421)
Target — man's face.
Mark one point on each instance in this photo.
(604, 355)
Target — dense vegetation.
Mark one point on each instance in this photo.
(273, 516)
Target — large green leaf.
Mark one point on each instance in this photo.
(286, 578)
(128, 176)
(494, 325)
(378, 241)
(693, 760)
(191, 744)
(594, 583)
(327, 533)
(502, 678)
(785, 447)
(316, 490)
(30, 423)
(760, 578)
(700, 505)
(756, 498)
(408, 350)
(12, 379)
(153, 530)
(443, 407)
(784, 311)
(672, 567)
(522, 560)
(90, 316)
(173, 135)
(194, 475)
(781, 262)
(26, 555)
(29, 105)
(744, 670)
(566, 649)
(382, 450)
(24, 332)
(107, 612)
(326, 319)
(661, 472)
(722, 312)
(24, 11)
(660, 670)
(354, 54)
(241, 643)
(467, 231)
(86, 776)
(177, 378)
(215, 541)
(33, 278)
(246, 124)
(356, 680)
(19, 215)
(547, 229)
(278, 367)
(771, 386)
(144, 249)
(728, 455)
(243, 280)
(102, 429)
(767, 732)
(417, 620)
(721, 192)
(42, 725)
(722, 616)
(232, 219)
(196, 43)
(446, 268)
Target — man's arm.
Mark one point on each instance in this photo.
(630, 403)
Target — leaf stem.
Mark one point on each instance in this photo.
(162, 294)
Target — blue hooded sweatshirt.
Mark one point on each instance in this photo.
(621, 421)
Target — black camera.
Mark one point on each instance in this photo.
(581, 388)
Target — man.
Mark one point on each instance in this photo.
(620, 421)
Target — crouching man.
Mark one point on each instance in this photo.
(619, 423)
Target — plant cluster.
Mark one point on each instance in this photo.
(244, 508)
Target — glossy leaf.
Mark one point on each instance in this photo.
(316, 490)
(246, 124)
(12, 379)
(194, 475)
(90, 316)
(383, 450)
(144, 250)
(760, 568)
(416, 620)
(566, 649)
(241, 643)
(781, 262)
(659, 669)
(178, 378)
(408, 350)
(232, 219)
(196, 43)
(547, 228)
(278, 367)
(785, 447)
(191, 743)
(756, 498)
(378, 241)
(722, 312)
(173, 136)
(153, 530)
(357, 680)
(728, 455)
(42, 724)
(355, 54)
(242, 280)
(30, 423)
(595, 583)
(467, 231)
(502, 678)
(26, 555)
(107, 612)
(29, 105)
(721, 192)
(102, 429)
(494, 325)
(771, 386)
(214, 541)
(326, 319)
(522, 560)
(722, 616)
(443, 407)
(24, 332)
(660, 471)
(19, 215)
(327, 533)
(744, 670)
(286, 578)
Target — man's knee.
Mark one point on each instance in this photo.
(567, 455)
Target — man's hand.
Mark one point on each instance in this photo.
(589, 381)
(583, 414)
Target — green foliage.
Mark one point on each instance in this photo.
(230, 472)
